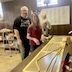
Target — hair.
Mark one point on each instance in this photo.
(24, 8)
(43, 15)
(36, 16)
(38, 21)
(43, 22)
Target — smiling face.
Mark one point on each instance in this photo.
(35, 19)
(24, 11)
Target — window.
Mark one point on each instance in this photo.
(1, 12)
(41, 3)
(53, 2)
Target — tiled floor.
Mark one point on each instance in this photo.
(8, 60)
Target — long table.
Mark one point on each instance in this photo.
(30, 64)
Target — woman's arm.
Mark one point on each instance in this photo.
(32, 38)
(29, 37)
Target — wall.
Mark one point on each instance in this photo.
(56, 29)
(11, 11)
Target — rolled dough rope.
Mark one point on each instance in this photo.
(53, 65)
(52, 59)
(46, 55)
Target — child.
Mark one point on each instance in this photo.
(34, 32)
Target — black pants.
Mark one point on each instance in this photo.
(27, 49)
(26, 46)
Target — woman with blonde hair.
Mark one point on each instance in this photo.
(34, 32)
(45, 27)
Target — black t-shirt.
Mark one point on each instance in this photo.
(21, 24)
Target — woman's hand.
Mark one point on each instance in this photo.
(36, 41)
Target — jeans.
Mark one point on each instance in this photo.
(32, 48)
(24, 50)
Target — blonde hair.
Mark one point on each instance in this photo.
(42, 22)
(24, 8)
(43, 15)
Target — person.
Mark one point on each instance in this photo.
(45, 24)
(34, 32)
(20, 26)
(45, 27)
